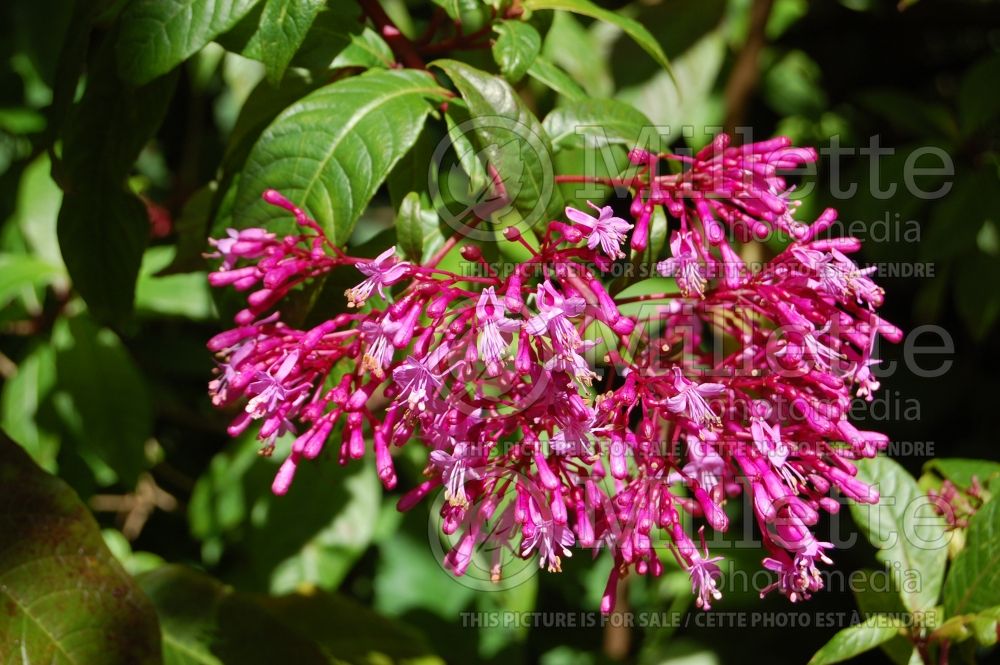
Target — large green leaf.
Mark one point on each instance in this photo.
(908, 533)
(516, 47)
(102, 397)
(508, 137)
(973, 583)
(65, 598)
(331, 150)
(632, 28)
(207, 623)
(595, 122)
(856, 639)
(158, 35)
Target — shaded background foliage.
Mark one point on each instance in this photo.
(112, 398)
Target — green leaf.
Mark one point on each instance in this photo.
(509, 138)
(332, 149)
(978, 101)
(181, 295)
(632, 28)
(908, 534)
(978, 307)
(986, 626)
(961, 471)
(102, 396)
(595, 123)
(21, 403)
(335, 39)
(102, 227)
(65, 597)
(516, 48)
(289, 541)
(684, 98)
(549, 74)
(880, 596)
(158, 35)
(856, 639)
(417, 230)
(19, 272)
(973, 583)
(207, 623)
(283, 27)
(103, 231)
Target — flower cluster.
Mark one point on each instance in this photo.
(560, 417)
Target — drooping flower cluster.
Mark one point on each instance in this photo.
(560, 417)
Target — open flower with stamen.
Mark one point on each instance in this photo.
(495, 330)
(384, 270)
(605, 230)
(685, 265)
(691, 400)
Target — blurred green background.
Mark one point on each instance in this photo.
(121, 413)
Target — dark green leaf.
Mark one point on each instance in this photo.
(516, 48)
(978, 100)
(158, 35)
(104, 401)
(905, 529)
(978, 307)
(103, 228)
(102, 235)
(205, 622)
(331, 150)
(973, 583)
(65, 597)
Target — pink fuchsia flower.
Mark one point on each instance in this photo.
(495, 330)
(554, 314)
(270, 389)
(839, 276)
(705, 574)
(798, 576)
(456, 468)
(705, 466)
(384, 270)
(685, 265)
(380, 350)
(418, 383)
(691, 400)
(605, 230)
(551, 538)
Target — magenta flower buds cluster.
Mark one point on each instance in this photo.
(558, 417)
